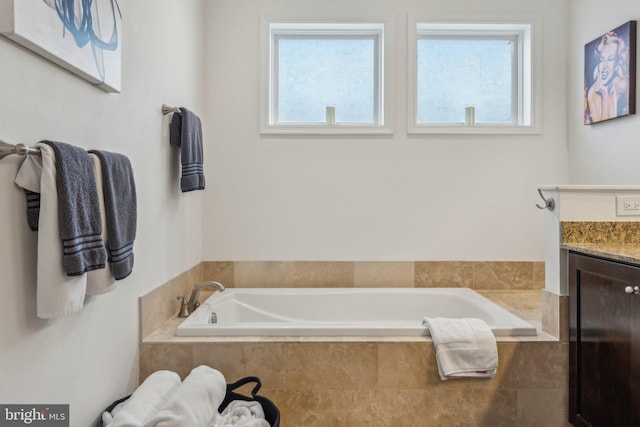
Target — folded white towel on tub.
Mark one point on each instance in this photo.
(464, 347)
(145, 401)
(195, 401)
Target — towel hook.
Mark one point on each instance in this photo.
(548, 203)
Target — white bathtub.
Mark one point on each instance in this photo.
(343, 312)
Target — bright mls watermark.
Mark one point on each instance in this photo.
(34, 415)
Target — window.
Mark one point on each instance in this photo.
(471, 78)
(324, 78)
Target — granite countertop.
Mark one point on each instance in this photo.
(623, 252)
(613, 240)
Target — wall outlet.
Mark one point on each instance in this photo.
(628, 205)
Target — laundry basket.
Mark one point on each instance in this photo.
(271, 411)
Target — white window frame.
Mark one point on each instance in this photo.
(525, 90)
(272, 31)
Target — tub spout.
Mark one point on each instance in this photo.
(194, 301)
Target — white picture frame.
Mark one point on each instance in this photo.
(82, 36)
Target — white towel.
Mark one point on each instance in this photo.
(464, 347)
(145, 401)
(100, 281)
(57, 293)
(195, 402)
(241, 413)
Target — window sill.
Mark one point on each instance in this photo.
(472, 130)
(325, 130)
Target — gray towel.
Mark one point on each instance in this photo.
(78, 210)
(186, 132)
(120, 205)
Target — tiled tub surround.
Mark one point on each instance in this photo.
(365, 381)
(507, 275)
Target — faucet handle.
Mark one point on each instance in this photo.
(184, 307)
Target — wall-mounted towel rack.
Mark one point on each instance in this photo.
(21, 149)
(167, 109)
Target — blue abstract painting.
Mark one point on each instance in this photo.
(82, 36)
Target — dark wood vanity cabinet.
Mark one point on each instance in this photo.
(604, 342)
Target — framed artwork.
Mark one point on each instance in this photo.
(610, 75)
(82, 36)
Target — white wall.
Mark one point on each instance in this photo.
(90, 358)
(608, 152)
(373, 198)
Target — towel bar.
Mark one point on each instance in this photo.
(167, 109)
(21, 149)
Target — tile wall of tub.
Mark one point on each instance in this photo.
(374, 383)
(365, 382)
(479, 275)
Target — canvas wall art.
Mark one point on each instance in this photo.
(610, 75)
(82, 36)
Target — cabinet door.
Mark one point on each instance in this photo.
(603, 343)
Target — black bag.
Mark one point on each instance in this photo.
(271, 411)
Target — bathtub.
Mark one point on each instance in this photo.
(342, 312)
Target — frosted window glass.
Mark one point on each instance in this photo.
(455, 73)
(315, 73)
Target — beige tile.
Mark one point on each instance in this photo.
(174, 357)
(266, 361)
(220, 271)
(533, 365)
(505, 354)
(161, 304)
(263, 274)
(448, 274)
(542, 407)
(390, 408)
(154, 309)
(405, 365)
(539, 281)
(411, 365)
(502, 275)
(319, 274)
(314, 408)
(227, 358)
(435, 407)
(331, 365)
(384, 274)
(563, 324)
(551, 313)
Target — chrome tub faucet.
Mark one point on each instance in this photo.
(194, 300)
